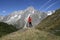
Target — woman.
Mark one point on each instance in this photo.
(30, 21)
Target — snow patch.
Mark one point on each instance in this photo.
(49, 13)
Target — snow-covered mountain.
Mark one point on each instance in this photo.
(19, 18)
(50, 12)
(1, 18)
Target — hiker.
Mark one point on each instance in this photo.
(29, 22)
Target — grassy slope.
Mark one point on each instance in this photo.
(6, 29)
(51, 23)
(30, 34)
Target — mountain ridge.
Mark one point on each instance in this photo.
(19, 18)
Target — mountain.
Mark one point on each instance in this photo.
(1, 18)
(41, 32)
(19, 18)
(51, 23)
(6, 29)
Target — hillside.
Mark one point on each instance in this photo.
(43, 30)
(6, 29)
(30, 34)
(51, 23)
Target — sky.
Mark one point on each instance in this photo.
(9, 6)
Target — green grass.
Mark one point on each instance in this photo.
(6, 29)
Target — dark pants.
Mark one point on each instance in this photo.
(30, 24)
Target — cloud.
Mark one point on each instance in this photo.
(3, 11)
(50, 5)
(45, 4)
